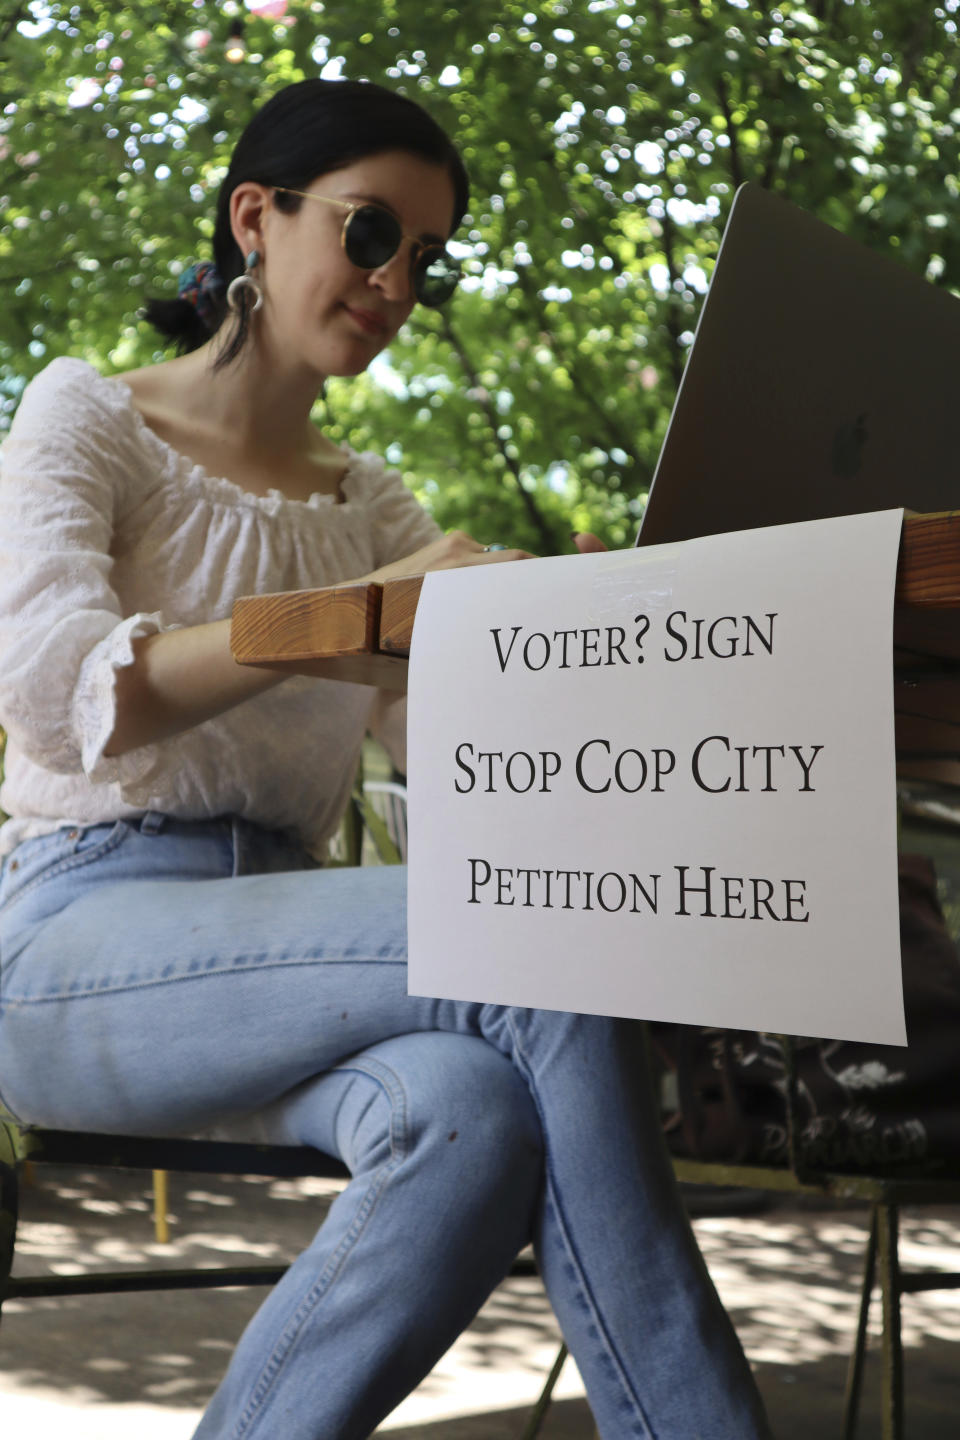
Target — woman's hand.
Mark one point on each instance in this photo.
(586, 543)
(450, 552)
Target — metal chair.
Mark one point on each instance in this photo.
(885, 1195)
(387, 800)
(222, 1157)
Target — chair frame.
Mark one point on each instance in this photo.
(885, 1195)
(937, 1183)
(63, 1147)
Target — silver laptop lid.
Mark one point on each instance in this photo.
(822, 381)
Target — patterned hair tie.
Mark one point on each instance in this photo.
(202, 286)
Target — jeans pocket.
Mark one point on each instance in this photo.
(36, 862)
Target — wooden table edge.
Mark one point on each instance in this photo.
(928, 567)
(378, 620)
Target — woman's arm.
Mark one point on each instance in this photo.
(180, 678)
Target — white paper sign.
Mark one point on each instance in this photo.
(660, 783)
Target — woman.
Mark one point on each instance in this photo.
(170, 955)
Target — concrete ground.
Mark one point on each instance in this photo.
(141, 1367)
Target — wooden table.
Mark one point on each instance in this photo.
(362, 633)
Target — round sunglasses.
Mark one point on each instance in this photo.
(371, 236)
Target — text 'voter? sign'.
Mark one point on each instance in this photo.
(661, 784)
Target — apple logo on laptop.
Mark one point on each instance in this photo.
(848, 442)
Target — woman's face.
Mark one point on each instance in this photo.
(319, 308)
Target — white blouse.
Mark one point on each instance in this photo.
(107, 533)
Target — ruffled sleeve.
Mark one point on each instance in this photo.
(67, 468)
(399, 523)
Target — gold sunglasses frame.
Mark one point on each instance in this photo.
(417, 247)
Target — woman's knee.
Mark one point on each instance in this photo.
(450, 1101)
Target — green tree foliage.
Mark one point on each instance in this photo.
(605, 139)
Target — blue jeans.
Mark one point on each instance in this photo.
(162, 976)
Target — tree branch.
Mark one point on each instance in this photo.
(676, 356)
(536, 519)
(723, 99)
(7, 27)
(613, 434)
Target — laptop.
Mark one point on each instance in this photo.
(823, 380)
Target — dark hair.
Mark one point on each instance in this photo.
(305, 130)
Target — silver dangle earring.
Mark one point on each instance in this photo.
(236, 299)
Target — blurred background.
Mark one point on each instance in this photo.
(605, 139)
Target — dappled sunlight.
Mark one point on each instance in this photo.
(210, 1197)
(108, 1221)
(72, 1347)
(789, 1276)
(235, 1245)
(498, 1364)
(792, 1284)
(307, 1187)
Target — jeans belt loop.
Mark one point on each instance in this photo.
(152, 822)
